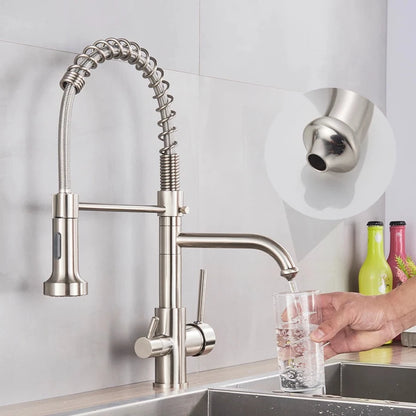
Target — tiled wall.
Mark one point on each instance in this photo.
(232, 64)
(400, 96)
(297, 45)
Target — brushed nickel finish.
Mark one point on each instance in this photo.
(151, 346)
(169, 340)
(201, 295)
(65, 279)
(333, 141)
(251, 241)
(170, 369)
(200, 337)
(87, 206)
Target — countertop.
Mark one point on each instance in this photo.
(389, 354)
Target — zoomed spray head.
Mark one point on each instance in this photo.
(333, 141)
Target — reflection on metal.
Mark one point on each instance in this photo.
(353, 389)
(169, 340)
(333, 141)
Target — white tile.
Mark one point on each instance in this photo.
(169, 30)
(401, 91)
(236, 197)
(298, 45)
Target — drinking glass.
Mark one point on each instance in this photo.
(300, 360)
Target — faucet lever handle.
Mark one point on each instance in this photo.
(151, 346)
(151, 332)
(201, 295)
(200, 337)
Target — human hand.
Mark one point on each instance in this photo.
(354, 322)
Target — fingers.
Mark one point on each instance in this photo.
(331, 300)
(329, 328)
(329, 351)
(326, 300)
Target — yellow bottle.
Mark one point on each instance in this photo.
(375, 277)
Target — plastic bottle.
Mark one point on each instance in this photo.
(375, 277)
(397, 249)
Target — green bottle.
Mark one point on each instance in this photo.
(375, 277)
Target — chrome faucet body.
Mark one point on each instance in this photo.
(333, 141)
(169, 339)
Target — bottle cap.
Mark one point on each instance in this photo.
(393, 223)
(374, 223)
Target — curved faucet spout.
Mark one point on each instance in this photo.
(253, 241)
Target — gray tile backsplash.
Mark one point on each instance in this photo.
(54, 347)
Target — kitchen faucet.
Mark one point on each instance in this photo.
(169, 339)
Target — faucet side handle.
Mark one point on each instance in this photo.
(200, 337)
(154, 323)
(201, 296)
(151, 345)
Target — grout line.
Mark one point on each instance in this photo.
(167, 69)
(234, 80)
(199, 39)
(240, 82)
(386, 63)
(35, 46)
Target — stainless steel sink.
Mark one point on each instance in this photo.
(370, 381)
(215, 402)
(235, 403)
(365, 381)
(352, 389)
(193, 403)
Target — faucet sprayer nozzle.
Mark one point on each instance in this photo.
(333, 141)
(65, 279)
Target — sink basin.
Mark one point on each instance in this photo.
(216, 402)
(236, 403)
(364, 381)
(352, 389)
(370, 381)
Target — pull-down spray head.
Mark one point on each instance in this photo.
(65, 279)
(333, 141)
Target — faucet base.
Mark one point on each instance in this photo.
(170, 387)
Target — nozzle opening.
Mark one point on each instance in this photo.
(317, 162)
(290, 273)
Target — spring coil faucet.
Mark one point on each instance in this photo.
(169, 339)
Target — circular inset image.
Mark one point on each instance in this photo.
(330, 154)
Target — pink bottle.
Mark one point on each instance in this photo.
(397, 248)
